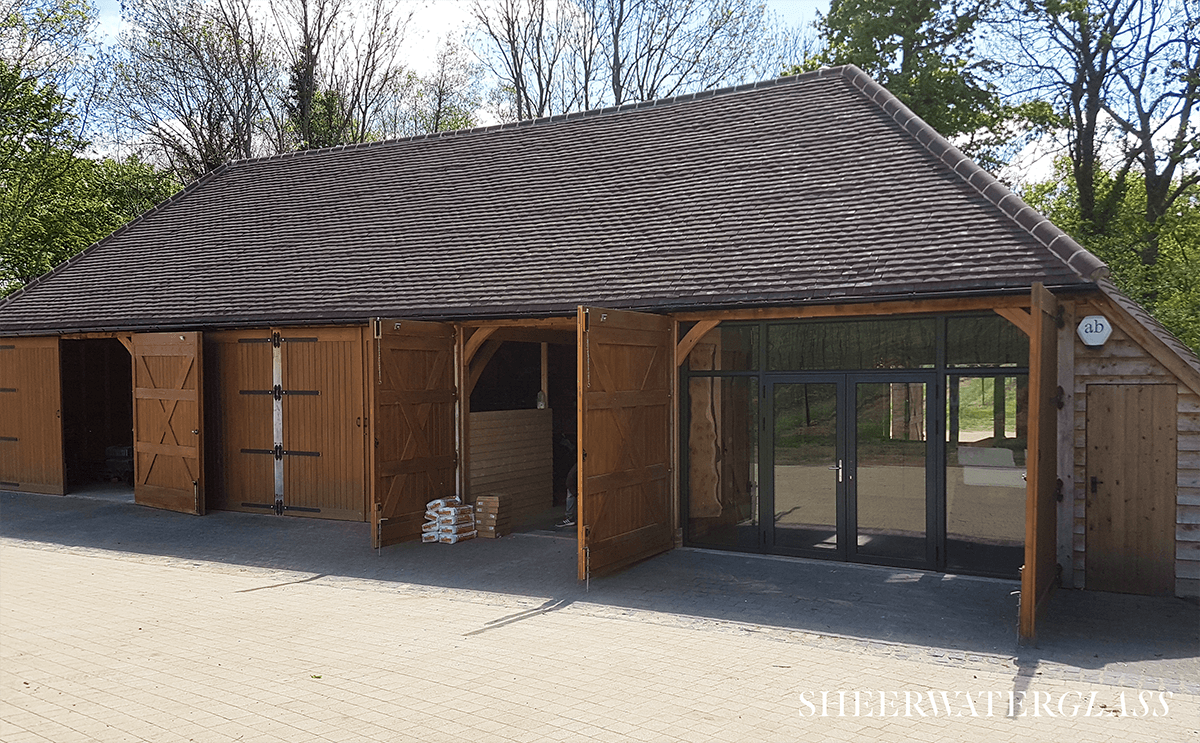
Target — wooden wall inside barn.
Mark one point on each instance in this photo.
(1121, 360)
(512, 456)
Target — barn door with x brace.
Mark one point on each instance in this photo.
(167, 413)
(413, 424)
(277, 393)
(625, 369)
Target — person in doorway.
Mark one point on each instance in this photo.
(572, 502)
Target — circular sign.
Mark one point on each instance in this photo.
(1094, 330)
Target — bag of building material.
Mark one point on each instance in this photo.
(429, 526)
(456, 528)
(429, 536)
(450, 502)
(455, 538)
(456, 518)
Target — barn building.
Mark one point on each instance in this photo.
(782, 318)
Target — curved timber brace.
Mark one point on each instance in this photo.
(277, 393)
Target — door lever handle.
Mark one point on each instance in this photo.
(837, 467)
(1095, 482)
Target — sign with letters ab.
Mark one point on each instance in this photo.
(1094, 330)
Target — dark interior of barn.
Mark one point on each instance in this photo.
(97, 413)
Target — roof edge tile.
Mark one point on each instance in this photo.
(1062, 245)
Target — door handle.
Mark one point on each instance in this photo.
(837, 467)
(1095, 482)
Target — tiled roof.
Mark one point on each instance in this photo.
(816, 188)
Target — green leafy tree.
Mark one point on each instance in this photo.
(924, 52)
(37, 149)
(53, 202)
(1170, 287)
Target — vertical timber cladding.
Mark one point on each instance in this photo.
(289, 424)
(413, 424)
(1041, 505)
(323, 433)
(168, 445)
(626, 363)
(1130, 487)
(238, 363)
(31, 448)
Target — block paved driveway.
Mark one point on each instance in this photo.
(121, 623)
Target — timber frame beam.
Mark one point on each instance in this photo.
(126, 339)
(1017, 316)
(862, 309)
(698, 331)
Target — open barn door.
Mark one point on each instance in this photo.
(1039, 575)
(168, 444)
(413, 425)
(31, 435)
(625, 368)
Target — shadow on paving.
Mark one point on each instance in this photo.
(1133, 635)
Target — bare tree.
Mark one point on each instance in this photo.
(1124, 75)
(559, 56)
(191, 78)
(527, 39)
(345, 63)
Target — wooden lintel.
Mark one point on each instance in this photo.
(559, 323)
(125, 338)
(480, 363)
(534, 335)
(474, 342)
(863, 309)
(698, 331)
(1017, 316)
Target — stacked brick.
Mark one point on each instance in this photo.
(448, 521)
(491, 520)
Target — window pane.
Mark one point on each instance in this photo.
(987, 340)
(891, 447)
(726, 348)
(985, 474)
(722, 441)
(805, 467)
(859, 344)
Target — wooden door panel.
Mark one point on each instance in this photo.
(413, 425)
(167, 400)
(323, 423)
(31, 444)
(625, 368)
(238, 419)
(1130, 486)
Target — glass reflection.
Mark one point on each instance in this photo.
(890, 478)
(722, 451)
(805, 466)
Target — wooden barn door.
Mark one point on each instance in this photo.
(413, 425)
(1131, 459)
(31, 437)
(625, 368)
(1038, 576)
(322, 415)
(167, 403)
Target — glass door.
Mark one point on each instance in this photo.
(890, 498)
(849, 461)
(807, 469)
